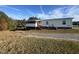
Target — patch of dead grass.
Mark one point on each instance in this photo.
(17, 42)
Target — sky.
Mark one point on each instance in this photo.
(41, 11)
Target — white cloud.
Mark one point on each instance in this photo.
(42, 16)
(57, 13)
(42, 9)
(51, 14)
(72, 11)
(12, 8)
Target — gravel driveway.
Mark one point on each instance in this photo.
(56, 36)
(67, 36)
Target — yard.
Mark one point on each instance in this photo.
(23, 42)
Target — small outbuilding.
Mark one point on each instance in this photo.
(33, 22)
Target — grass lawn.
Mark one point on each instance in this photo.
(21, 43)
(38, 46)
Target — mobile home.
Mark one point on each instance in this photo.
(50, 23)
(57, 23)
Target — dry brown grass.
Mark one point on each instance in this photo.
(20, 42)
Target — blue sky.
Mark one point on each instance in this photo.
(41, 11)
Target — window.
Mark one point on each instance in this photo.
(46, 22)
(64, 22)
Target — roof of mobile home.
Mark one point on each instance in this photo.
(58, 19)
(50, 19)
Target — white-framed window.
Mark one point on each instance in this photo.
(64, 22)
(46, 22)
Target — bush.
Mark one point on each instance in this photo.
(12, 25)
(3, 21)
(12, 28)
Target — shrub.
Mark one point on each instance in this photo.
(3, 21)
(12, 24)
